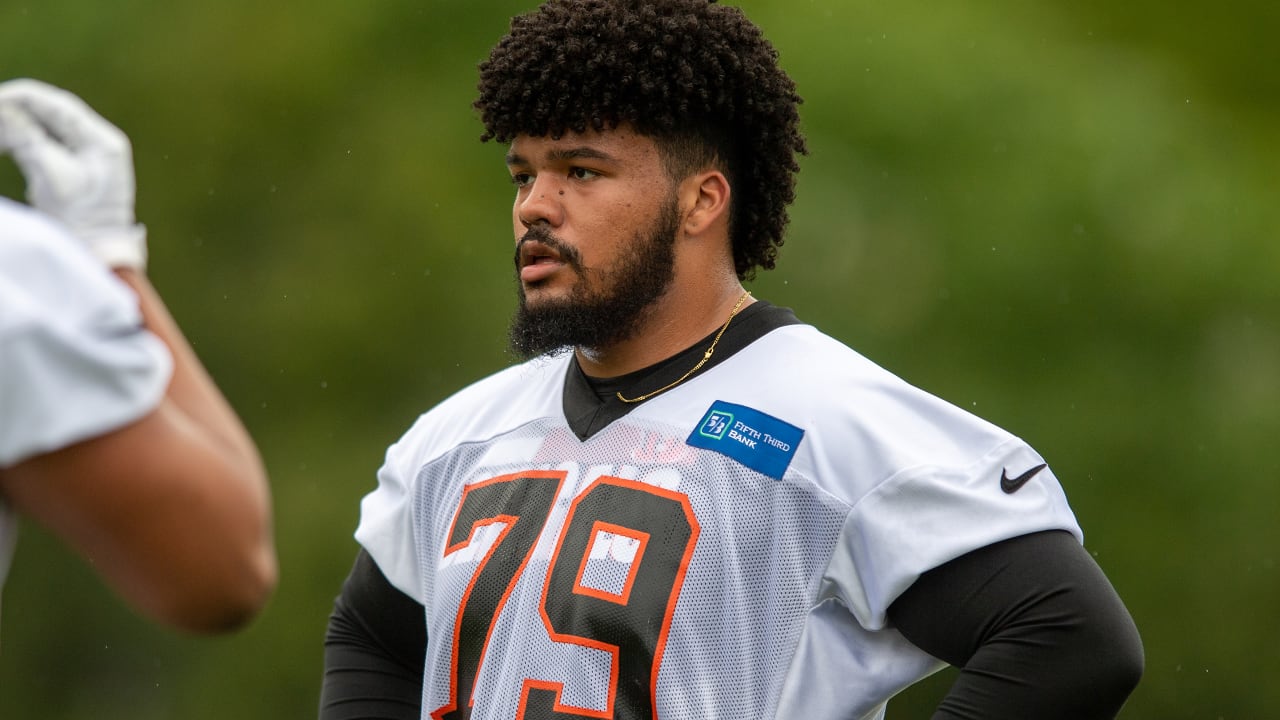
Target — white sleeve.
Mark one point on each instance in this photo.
(922, 478)
(75, 360)
(928, 515)
(386, 519)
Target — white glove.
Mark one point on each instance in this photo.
(78, 166)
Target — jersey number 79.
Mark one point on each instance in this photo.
(631, 624)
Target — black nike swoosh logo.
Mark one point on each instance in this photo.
(1011, 485)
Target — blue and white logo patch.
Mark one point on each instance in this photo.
(761, 442)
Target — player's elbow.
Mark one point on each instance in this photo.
(241, 570)
(245, 599)
(225, 601)
(220, 579)
(1118, 669)
(1107, 666)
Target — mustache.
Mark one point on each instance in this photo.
(540, 234)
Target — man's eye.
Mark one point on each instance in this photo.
(579, 173)
(521, 179)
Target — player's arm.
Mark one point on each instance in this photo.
(1034, 626)
(374, 650)
(173, 517)
(173, 509)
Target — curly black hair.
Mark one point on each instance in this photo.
(697, 77)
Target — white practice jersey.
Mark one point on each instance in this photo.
(727, 549)
(75, 361)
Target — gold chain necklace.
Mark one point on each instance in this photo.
(705, 357)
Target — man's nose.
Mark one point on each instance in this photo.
(542, 203)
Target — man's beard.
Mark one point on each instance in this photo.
(605, 305)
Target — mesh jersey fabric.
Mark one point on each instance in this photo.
(75, 361)
(634, 574)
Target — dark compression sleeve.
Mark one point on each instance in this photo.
(1034, 626)
(373, 650)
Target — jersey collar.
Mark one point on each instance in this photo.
(591, 404)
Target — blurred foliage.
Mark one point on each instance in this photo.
(1060, 216)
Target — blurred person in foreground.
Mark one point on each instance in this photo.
(112, 435)
(687, 504)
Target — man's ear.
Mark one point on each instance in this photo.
(704, 197)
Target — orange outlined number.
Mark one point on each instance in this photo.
(522, 502)
(622, 624)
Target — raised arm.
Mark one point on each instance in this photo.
(173, 509)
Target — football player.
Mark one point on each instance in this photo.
(687, 503)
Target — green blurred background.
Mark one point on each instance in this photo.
(1060, 216)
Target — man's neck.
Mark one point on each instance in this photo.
(673, 324)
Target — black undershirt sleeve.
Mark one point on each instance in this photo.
(374, 650)
(1034, 626)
